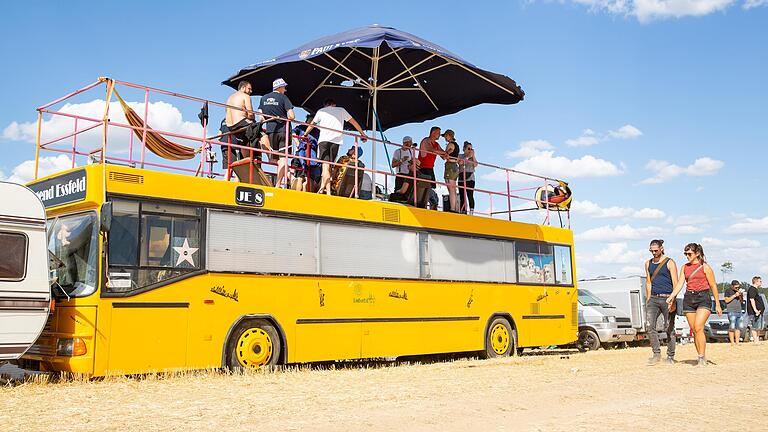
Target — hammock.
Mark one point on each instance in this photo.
(155, 142)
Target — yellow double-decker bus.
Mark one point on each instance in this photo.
(165, 271)
(180, 272)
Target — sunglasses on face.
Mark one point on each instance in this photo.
(653, 251)
(688, 253)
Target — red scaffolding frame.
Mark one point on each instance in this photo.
(205, 163)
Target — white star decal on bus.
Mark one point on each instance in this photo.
(185, 253)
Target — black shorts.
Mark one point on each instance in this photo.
(695, 300)
(399, 182)
(429, 173)
(277, 142)
(327, 151)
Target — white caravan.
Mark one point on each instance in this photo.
(628, 294)
(24, 286)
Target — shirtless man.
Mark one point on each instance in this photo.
(240, 99)
(239, 114)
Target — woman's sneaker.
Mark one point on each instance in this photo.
(702, 361)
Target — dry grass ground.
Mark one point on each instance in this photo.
(604, 390)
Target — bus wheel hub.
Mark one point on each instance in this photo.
(254, 348)
(499, 339)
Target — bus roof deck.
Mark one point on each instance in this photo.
(98, 135)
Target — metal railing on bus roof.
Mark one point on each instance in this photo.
(207, 157)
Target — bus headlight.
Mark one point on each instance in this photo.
(71, 347)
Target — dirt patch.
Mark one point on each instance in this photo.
(603, 390)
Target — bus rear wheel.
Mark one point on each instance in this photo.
(253, 344)
(501, 340)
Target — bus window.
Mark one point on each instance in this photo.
(464, 258)
(535, 263)
(150, 243)
(124, 234)
(563, 267)
(74, 240)
(13, 264)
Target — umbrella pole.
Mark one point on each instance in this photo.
(374, 107)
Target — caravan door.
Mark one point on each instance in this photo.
(24, 287)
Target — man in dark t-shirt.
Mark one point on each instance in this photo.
(754, 306)
(277, 104)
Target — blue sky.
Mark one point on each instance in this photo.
(655, 110)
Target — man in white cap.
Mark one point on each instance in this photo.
(277, 104)
(403, 159)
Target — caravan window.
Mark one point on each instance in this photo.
(13, 263)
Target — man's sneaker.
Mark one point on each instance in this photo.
(669, 361)
(702, 361)
(654, 360)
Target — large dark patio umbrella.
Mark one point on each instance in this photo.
(384, 77)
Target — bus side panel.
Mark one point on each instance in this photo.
(410, 318)
(147, 339)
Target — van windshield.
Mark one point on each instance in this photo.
(74, 240)
(586, 298)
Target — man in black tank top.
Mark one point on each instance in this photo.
(660, 278)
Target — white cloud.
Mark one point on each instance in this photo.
(638, 269)
(625, 132)
(547, 164)
(619, 232)
(665, 171)
(688, 229)
(690, 220)
(162, 117)
(586, 139)
(589, 137)
(742, 243)
(25, 171)
(648, 10)
(619, 253)
(589, 208)
(749, 4)
(529, 149)
(749, 226)
(649, 213)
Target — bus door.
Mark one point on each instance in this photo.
(152, 247)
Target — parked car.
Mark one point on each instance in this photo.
(601, 324)
(716, 328)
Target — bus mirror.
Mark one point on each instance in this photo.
(106, 217)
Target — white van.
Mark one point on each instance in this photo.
(24, 285)
(601, 324)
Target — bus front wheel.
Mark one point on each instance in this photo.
(253, 344)
(501, 340)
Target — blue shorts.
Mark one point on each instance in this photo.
(751, 321)
(735, 320)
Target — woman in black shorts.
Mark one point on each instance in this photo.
(697, 302)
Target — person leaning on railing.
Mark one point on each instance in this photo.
(402, 159)
(429, 149)
(468, 163)
(331, 120)
(276, 106)
(451, 172)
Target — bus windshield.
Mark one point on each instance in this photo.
(74, 240)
